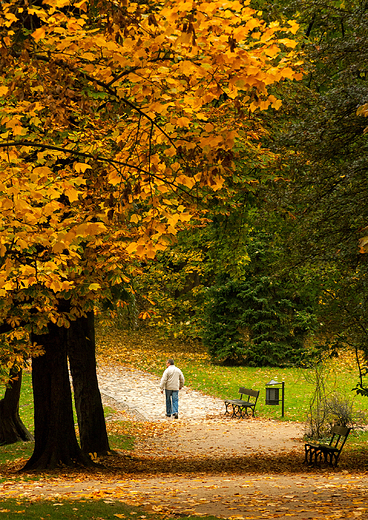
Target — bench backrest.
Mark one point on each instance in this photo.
(248, 392)
(339, 436)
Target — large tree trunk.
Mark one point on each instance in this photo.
(55, 440)
(12, 428)
(82, 359)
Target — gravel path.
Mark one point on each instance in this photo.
(138, 393)
(202, 428)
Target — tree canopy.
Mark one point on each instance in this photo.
(114, 118)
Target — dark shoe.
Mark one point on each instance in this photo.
(176, 416)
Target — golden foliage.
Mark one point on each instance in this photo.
(114, 122)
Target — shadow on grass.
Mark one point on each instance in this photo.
(287, 463)
(124, 465)
(123, 462)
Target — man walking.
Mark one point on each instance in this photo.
(172, 381)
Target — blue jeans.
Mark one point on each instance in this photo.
(172, 402)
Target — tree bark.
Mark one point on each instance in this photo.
(82, 359)
(12, 428)
(55, 440)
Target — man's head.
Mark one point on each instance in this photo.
(169, 362)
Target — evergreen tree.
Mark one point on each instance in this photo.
(260, 319)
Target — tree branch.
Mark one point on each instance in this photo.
(113, 162)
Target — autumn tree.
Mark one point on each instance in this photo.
(114, 119)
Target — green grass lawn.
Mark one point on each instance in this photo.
(26, 400)
(144, 353)
(83, 509)
(299, 386)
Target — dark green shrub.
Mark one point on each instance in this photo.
(254, 323)
(260, 320)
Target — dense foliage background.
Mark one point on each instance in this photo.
(279, 272)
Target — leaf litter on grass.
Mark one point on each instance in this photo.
(223, 495)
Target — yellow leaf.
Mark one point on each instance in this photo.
(287, 72)
(21, 205)
(183, 122)
(13, 123)
(39, 33)
(132, 248)
(94, 287)
(217, 183)
(81, 167)
(62, 3)
(10, 19)
(294, 26)
(276, 104)
(42, 171)
(187, 181)
(169, 128)
(288, 42)
(363, 110)
(252, 24)
(72, 194)
(6, 203)
(114, 178)
(89, 228)
(58, 247)
(3, 90)
(134, 218)
(81, 5)
(273, 50)
(363, 244)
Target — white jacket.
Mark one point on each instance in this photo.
(172, 379)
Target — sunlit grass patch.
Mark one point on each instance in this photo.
(357, 440)
(21, 451)
(145, 352)
(26, 400)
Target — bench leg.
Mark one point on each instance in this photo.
(307, 457)
(231, 412)
(331, 457)
(241, 412)
(245, 412)
(312, 454)
(236, 411)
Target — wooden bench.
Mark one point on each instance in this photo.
(239, 407)
(329, 452)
